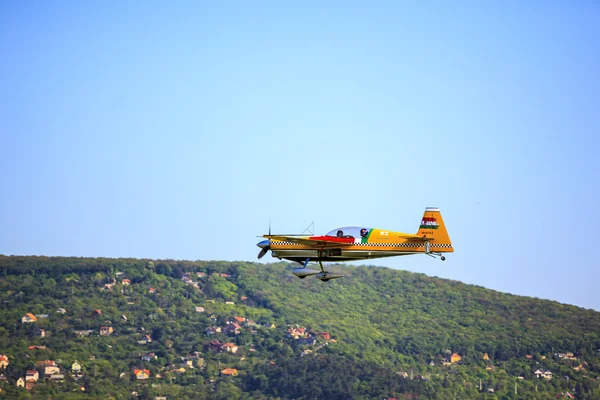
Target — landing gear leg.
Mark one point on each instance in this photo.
(435, 255)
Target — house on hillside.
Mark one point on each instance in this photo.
(485, 356)
(298, 332)
(106, 330)
(310, 341)
(82, 333)
(45, 363)
(96, 313)
(28, 318)
(151, 290)
(20, 382)
(239, 319)
(61, 311)
(230, 347)
(565, 395)
(32, 374)
(199, 309)
(232, 328)
(57, 377)
(250, 324)
(76, 367)
(229, 372)
(4, 361)
(212, 330)
(455, 357)
(215, 345)
(51, 370)
(141, 374)
(149, 357)
(540, 373)
(126, 282)
(145, 340)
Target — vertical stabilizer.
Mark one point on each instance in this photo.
(433, 227)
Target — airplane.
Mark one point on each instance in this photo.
(358, 243)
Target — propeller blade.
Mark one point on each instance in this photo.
(263, 252)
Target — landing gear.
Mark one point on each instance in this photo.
(325, 276)
(435, 255)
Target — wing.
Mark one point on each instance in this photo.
(316, 241)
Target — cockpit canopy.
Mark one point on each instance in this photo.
(350, 232)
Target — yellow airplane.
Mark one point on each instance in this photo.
(359, 243)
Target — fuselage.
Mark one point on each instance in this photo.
(377, 243)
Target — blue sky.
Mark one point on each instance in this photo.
(155, 130)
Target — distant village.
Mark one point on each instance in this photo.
(50, 370)
(311, 342)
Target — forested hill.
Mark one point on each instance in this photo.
(376, 333)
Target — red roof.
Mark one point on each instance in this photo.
(229, 371)
(139, 371)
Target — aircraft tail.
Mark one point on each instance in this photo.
(433, 227)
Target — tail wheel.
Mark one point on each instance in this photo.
(443, 258)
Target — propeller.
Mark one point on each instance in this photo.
(265, 246)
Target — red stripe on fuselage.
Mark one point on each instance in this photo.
(332, 239)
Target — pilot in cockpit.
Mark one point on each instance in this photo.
(364, 232)
(340, 233)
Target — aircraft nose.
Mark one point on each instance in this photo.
(263, 244)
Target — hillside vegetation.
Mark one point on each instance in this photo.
(170, 328)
